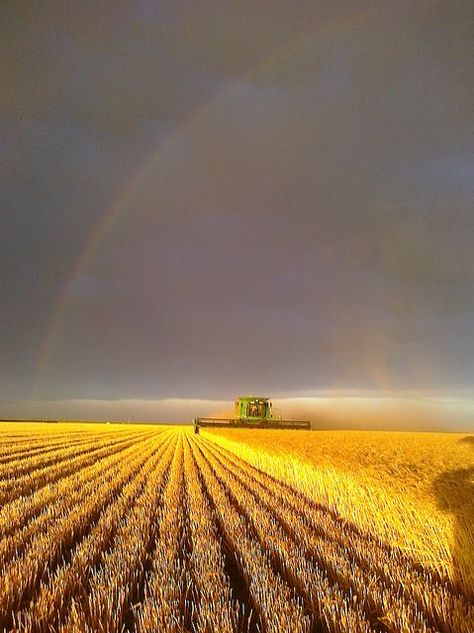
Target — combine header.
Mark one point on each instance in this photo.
(250, 413)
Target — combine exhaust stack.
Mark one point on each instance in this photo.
(250, 413)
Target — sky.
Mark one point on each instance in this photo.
(199, 200)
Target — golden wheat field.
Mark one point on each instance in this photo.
(145, 528)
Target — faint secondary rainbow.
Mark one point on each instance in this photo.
(120, 205)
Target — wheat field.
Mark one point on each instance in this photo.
(145, 528)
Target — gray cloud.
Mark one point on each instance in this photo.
(301, 223)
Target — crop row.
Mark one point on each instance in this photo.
(384, 585)
(164, 531)
(52, 543)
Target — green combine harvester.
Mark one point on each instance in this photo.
(250, 413)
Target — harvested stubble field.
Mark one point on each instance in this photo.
(118, 528)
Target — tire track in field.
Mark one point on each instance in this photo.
(332, 555)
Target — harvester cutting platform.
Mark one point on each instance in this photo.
(251, 413)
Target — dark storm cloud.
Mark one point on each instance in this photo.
(305, 222)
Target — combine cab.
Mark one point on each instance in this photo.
(250, 413)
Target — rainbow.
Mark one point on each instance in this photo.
(307, 43)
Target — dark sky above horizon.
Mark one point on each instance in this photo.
(285, 192)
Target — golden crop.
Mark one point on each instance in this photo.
(153, 529)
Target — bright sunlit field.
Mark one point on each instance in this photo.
(151, 528)
(415, 490)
